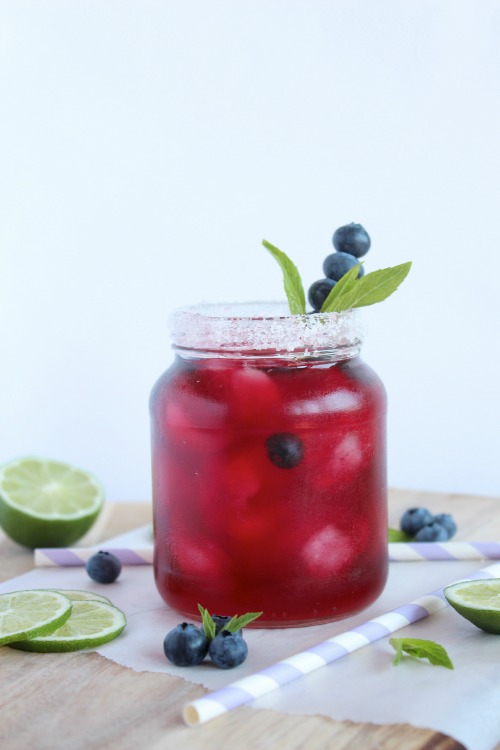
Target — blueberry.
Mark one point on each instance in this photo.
(432, 532)
(285, 450)
(103, 567)
(413, 519)
(446, 520)
(337, 265)
(220, 622)
(319, 291)
(185, 645)
(353, 239)
(228, 650)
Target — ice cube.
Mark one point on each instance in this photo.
(347, 458)
(198, 559)
(328, 552)
(253, 394)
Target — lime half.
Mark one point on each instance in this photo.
(26, 614)
(478, 601)
(47, 503)
(91, 624)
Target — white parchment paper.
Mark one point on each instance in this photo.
(361, 687)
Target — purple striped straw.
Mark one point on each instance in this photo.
(294, 667)
(398, 552)
(78, 556)
(419, 551)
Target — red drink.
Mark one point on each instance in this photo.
(269, 472)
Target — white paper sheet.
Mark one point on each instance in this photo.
(362, 687)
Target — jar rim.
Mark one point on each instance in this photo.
(263, 328)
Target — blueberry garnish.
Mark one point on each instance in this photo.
(319, 291)
(221, 621)
(353, 239)
(103, 567)
(337, 265)
(228, 650)
(285, 450)
(185, 645)
(432, 532)
(446, 521)
(413, 519)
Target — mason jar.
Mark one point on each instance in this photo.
(269, 466)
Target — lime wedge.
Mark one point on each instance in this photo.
(47, 503)
(26, 614)
(478, 601)
(75, 595)
(91, 624)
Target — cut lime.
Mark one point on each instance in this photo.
(26, 614)
(75, 595)
(47, 503)
(91, 624)
(478, 601)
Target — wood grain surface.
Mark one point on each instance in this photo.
(84, 701)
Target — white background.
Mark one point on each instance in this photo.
(148, 146)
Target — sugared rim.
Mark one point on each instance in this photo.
(263, 328)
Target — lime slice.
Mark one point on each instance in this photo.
(47, 503)
(75, 595)
(478, 601)
(26, 614)
(91, 624)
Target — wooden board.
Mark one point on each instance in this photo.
(82, 700)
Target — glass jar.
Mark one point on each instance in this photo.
(269, 466)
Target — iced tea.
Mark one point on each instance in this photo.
(269, 477)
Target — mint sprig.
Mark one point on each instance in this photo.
(348, 292)
(375, 287)
(396, 535)
(420, 649)
(208, 623)
(291, 280)
(237, 622)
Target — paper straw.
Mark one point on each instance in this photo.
(294, 667)
(78, 556)
(398, 552)
(419, 551)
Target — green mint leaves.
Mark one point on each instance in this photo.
(395, 535)
(420, 649)
(368, 290)
(208, 623)
(235, 623)
(291, 280)
(347, 293)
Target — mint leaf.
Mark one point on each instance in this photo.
(395, 535)
(236, 623)
(291, 280)
(368, 290)
(208, 623)
(420, 649)
(342, 290)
